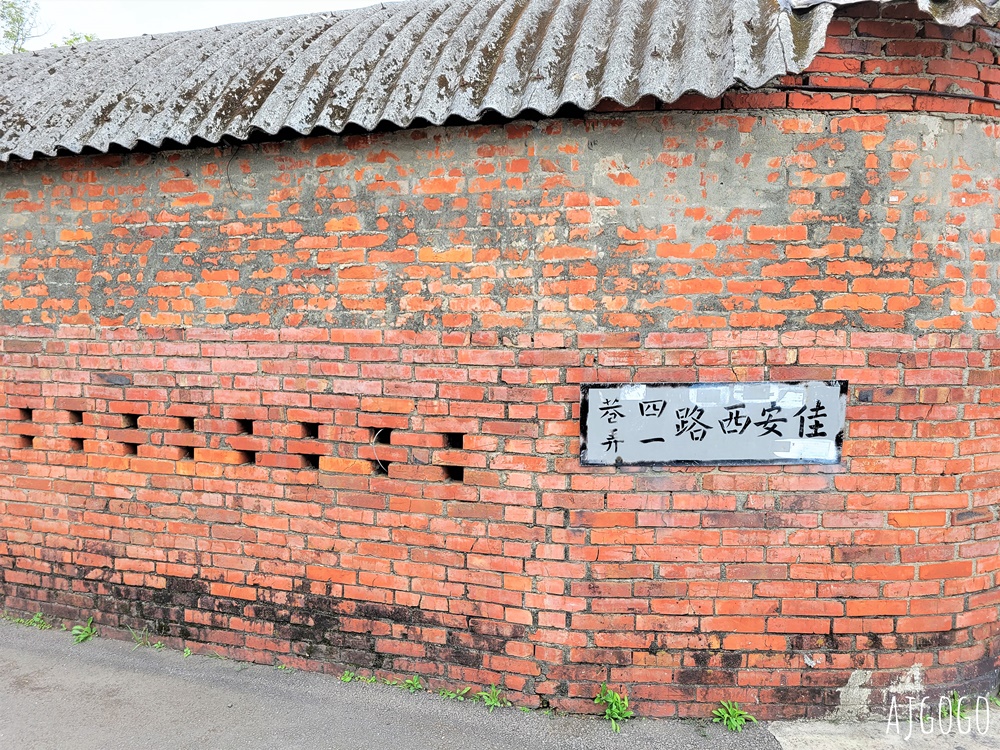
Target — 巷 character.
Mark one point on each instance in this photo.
(611, 410)
(814, 417)
(689, 421)
(769, 423)
(736, 422)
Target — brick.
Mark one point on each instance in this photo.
(345, 466)
(958, 569)
(220, 456)
(757, 233)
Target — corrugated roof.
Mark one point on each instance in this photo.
(395, 63)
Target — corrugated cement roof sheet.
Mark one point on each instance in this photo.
(423, 60)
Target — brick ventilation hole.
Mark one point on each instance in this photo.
(131, 421)
(76, 444)
(185, 424)
(26, 414)
(454, 441)
(131, 449)
(249, 457)
(246, 427)
(75, 417)
(381, 436)
(310, 431)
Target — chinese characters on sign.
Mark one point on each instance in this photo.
(713, 423)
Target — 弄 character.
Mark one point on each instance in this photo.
(612, 442)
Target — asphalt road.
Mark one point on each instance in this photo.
(103, 695)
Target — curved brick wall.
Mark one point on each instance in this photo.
(317, 400)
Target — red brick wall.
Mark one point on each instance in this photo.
(317, 401)
(880, 57)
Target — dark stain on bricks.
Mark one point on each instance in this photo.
(114, 378)
(732, 660)
(22, 346)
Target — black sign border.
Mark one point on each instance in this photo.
(585, 389)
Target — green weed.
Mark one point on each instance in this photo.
(492, 698)
(37, 621)
(348, 676)
(140, 638)
(731, 716)
(954, 707)
(414, 684)
(615, 704)
(455, 695)
(83, 633)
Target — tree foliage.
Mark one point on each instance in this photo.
(18, 21)
(19, 25)
(75, 37)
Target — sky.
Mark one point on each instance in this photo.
(112, 19)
